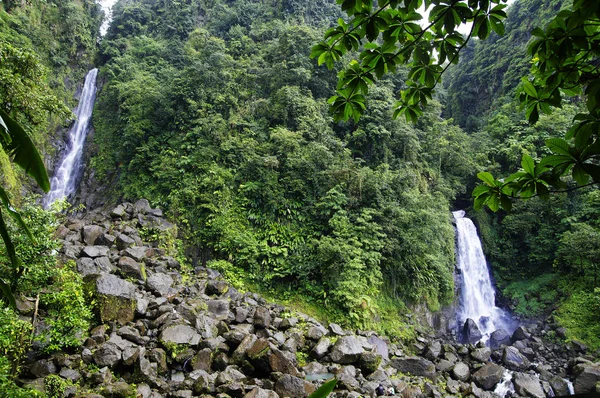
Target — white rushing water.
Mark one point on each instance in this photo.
(69, 170)
(477, 295)
(107, 8)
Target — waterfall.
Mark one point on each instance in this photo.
(69, 170)
(477, 295)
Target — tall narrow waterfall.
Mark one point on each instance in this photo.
(477, 295)
(69, 170)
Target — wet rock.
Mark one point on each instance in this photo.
(488, 376)
(258, 356)
(414, 365)
(369, 362)
(560, 386)
(202, 360)
(513, 359)
(587, 376)
(470, 332)
(433, 350)
(527, 385)
(498, 338)
(481, 354)
(520, 333)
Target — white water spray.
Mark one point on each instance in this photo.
(68, 172)
(477, 299)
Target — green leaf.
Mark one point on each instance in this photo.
(324, 390)
(528, 164)
(579, 175)
(529, 88)
(558, 146)
(487, 178)
(14, 214)
(24, 152)
(8, 295)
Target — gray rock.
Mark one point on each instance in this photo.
(123, 241)
(316, 332)
(130, 355)
(203, 383)
(138, 253)
(219, 309)
(520, 333)
(337, 329)
(106, 240)
(488, 376)
(498, 338)
(481, 354)
(180, 334)
(104, 264)
(141, 207)
(321, 348)
(95, 251)
(262, 317)
(470, 332)
(86, 266)
(118, 212)
(414, 365)
(513, 359)
(159, 283)
(202, 360)
(107, 355)
(315, 368)
(560, 386)
(240, 352)
(461, 371)
(42, 368)
(258, 392)
(527, 385)
(279, 362)
(380, 346)
(206, 326)
(131, 334)
(444, 365)
(130, 267)
(346, 350)
(587, 376)
(433, 350)
(70, 374)
(291, 386)
(90, 234)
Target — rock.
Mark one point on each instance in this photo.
(513, 359)
(380, 346)
(119, 389)
(586, 378)
(369, 362)
(42, 368)
(202, 360)
(86, 266)
(206, 326)
(488, 376)
(321, 348)
(346, 350)
(219, 309)
(262, 317)
(444, 365)
(560, 386)
(115, 299)
(347, 378)
(106, 240)
(470, 332)
(107, 355)
(433, 350)
(258, 392)
(130, 267)
(95, 251)
(414, 365)
(461, 371)
(498, 338)
(280, 363)
(159, 283)
(70, 374)
(130, 355)
(179, 334)
(481, 354)
(118, 212)
(336, 329)
(258, 356)
(527, 385)
(291, 386)
(316, 332)
(520, 333)
(104, 264)
(123, 241)
(240, 352)
(90, 234)
(203, 383)
(138, 253)
(141, 207)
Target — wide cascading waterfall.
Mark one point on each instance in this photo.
(69, 170)
(477, 295)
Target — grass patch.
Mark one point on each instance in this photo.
(579, 314)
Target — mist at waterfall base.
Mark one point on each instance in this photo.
(477, 294)
(69, 170)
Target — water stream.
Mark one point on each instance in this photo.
(68, 172)
(477, 294)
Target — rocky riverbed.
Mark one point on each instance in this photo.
(166, 333)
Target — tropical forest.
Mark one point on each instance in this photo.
(283, 198)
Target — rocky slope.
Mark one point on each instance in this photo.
(166, 332)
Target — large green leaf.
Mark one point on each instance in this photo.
(24, 152)
(324, 390)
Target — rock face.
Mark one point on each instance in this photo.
(167, 338)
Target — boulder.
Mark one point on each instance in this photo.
(470, 332)
(115, 299)
(461, 371)
(107, 355)
(95, 251)
(42, 368)
(90, 234)
(262, 317)
(587, 376)
(527, 385)
(498, 338)
(560, 386)
(481, 354)
(180, 334)
(291, 386)
(279, 362)
(433, 350)
(258, 392)
(321, 348)
(513, 359)
(346, 350)
(520, 333)
(488, 376)
(130, 267)
(159, 283)
(219, 309)
(416, 366)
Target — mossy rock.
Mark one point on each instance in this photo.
(369, 362)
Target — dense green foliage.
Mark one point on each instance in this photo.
(225, 125)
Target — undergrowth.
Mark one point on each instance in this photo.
(535, 296)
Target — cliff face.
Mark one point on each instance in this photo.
(165, 330)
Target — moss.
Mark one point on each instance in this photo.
(302, 358)
(117, 309)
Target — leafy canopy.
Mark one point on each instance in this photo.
(391, 34)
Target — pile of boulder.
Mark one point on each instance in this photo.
(169, 333)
